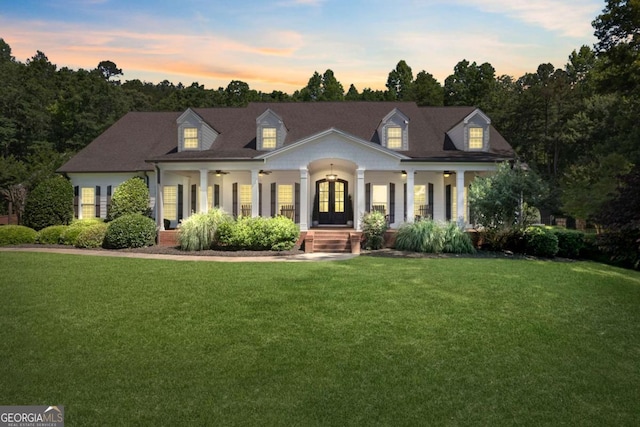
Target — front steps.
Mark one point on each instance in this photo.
(332, 241)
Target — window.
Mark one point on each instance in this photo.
(420, 201)
(285, 197)
(269, 138)
(323, 196)
(379, 199)
(170, 202)
(190, 136)
(476, 138)
(88, 202)
(245, 200)
(394, 137)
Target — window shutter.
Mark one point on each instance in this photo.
(234, 197)
(404, 205)
(273, 199)
(430, 200)
(296, 201)
(194, 198)
(97, 197)
(447, 198)
(108, 197)
(216, 195)
(76, 197)
(259, 199)
(180, 201)
(392, 203)
(367, 197)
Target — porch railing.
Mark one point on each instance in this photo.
(245, 210)
(424, 212)
(288, 211)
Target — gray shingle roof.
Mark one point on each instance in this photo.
(135, 139)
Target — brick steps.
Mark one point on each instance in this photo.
(332, 241)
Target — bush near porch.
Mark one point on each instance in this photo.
(258, 234)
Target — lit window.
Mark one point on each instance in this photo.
(394, 137)
(420, 200)
(379, 199)
(323, 196)
(245, 200)
(339, 196)
(88, 202)
(476, 138)
(269, 138)
(285, 196)
(170, 202)
(190, 138)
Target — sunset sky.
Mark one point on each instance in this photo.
(278, 44)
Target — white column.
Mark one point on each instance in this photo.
(461, 208)
(439, 209)
(304, 199)
(410, 195)
(255, 192)
(360, 193)
(204, 184)
(160, 198)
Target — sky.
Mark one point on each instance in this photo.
(278, 44)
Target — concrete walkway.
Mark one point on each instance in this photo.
(288, 258)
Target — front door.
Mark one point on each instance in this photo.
(332, 197)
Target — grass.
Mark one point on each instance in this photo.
(370, 341)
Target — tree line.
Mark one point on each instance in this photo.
(576, 125)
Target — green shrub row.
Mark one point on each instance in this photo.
(247, 233)
(433, 237)
(17, 235)
(544, 242)
(130, 231)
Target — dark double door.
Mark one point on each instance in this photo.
(332, 200)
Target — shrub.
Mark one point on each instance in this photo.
(51, 235)
(71, 233)
(50, 203)
(540, 241)
(277, 234)
(456, 241)
(374, 225)
(92, 236)
(130, 197)
(570, 242)
(200, 231)
(17, 235)
(507, 239)
(421, 236)
(130, 231)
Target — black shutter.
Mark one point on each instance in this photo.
(76, 197)
(180, 201)
(392, 203)
(447, 202)
(108, 198)
(194, 198)
(296, 202)
(216, 195)
(260, 199)
(273, 199)
(367, 197)
(404, 207)
(97, 201)
(234, 196)
(430, 200)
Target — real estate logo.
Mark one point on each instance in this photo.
(32, 416)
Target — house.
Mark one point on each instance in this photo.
(276, 158)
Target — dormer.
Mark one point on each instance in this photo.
(270, 131)
(394, 131)
(193, 133)
(472, 134)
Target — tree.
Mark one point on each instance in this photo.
(239, 94)
(332, 89)
(427, 90)
(505, 199)
(313, 90)
(50, 203)
(16, 196)
(352, 94)
(130, 197)
(5, 52)
(108, 69)
(400, 83)
(470, 84)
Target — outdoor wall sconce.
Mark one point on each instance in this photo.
(404, 174)
(447, 174)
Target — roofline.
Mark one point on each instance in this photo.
(202, 159)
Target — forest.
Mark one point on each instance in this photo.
(576, 124)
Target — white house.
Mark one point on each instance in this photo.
(276, 158)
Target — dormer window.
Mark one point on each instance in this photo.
(476, 138)
(190, 138)
(394, 137)
(269, 138)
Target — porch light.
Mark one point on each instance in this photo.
(404, 174)
(447, 174)
(220, 173)
(262, 173)
(332, 176)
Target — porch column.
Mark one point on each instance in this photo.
(159, 198)
(204, 184)
(360, 193)
(411, 180)
(439, 210)
(304, 199)
(461, 207)
(255, 192)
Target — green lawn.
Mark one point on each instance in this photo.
(370, 341)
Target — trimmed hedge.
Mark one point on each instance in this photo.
(540, 241)
(51, 235)
(570, 242)
(17, 235)
(50, 203)
(91, 236)
(130, 197)
(374, 225)
(130, 231)
(258, 234)
(70, 235)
